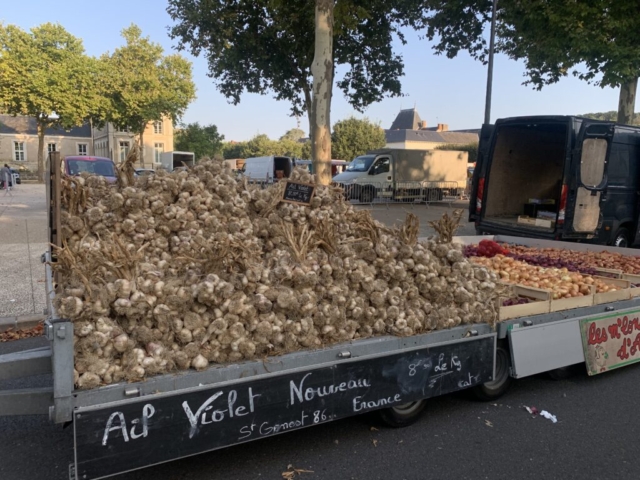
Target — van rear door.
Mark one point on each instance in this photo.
(588, 180)
(479, 172)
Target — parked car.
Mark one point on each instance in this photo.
(143, 172)
(75, 165)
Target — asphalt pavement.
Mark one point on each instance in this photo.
(596, 436)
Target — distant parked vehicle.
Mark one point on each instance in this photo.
(16, 176)
(144, 172)
(75, 165)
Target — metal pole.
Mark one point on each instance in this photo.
(487, 103)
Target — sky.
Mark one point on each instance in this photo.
(450, 91)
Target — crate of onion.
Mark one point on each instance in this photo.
(570, 282)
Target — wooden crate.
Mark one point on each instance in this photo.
(624, 292)
(539, 306)
(608, 272)
(573, 302)
(633, 280)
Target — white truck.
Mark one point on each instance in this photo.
(266, 169)
(401, 174)
(172, 160)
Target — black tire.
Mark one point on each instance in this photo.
(500, 384)
(18, 181)
(403, 415)
(367, 195)
(622, 238)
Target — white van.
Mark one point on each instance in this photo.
(265, 169)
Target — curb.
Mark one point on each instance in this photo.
(20, 322)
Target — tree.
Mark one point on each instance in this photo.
(610, 116)
(353, 137)
(262, 146)
(294, 134)
(262, 46)
(595, 40)
(202, 141)
(45, 74)
(145, 85)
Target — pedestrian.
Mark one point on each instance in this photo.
(5, 176)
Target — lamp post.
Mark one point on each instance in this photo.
(487, 102)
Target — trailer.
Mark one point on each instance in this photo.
(128, 426)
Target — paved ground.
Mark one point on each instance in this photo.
(596, 437)
(23, 239)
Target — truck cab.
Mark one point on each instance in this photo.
(75, 165)
(559, 178)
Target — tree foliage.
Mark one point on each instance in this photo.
(144, 85)
(262, 146)
(595, 40)
(352, 137)
(294, 134)
(262, 46)
(45, 74)
(610, 116)
(202, 141)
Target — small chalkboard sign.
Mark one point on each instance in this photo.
(301, 193)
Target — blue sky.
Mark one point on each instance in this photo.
(443, 90)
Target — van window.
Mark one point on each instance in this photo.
(594, 152)
(618, 172)
(381, 166)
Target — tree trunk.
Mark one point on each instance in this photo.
(627, 101)
(141, 148)
(41, 127)
(322, 70)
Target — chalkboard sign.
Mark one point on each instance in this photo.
(298, 193)
(158, 428)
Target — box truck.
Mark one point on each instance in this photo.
(173, 160)
(405, 174)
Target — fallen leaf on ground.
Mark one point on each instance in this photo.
(374, 429)
(292, 472)
(375, 443)
(11, 335)
(488, 423)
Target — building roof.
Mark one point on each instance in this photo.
(405, 135)
(22, 125)
(407, 120)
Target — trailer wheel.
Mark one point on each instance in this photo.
(502, 381)
(403, 415)
(367, 194)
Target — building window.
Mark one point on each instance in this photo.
(124, 151)
(19, 154)
(123, 129)
(82, 148)
(51, 147)
(157, 127)
(158, 148)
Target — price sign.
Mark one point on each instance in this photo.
(611, 341)
(300, 193)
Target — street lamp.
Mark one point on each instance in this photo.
(487, 102)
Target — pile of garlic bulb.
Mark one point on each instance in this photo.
(179, 270)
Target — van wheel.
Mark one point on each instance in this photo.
(367, 195)
(622, 238)
(502, 381)
(403, 415)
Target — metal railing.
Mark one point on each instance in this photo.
(386, 193)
